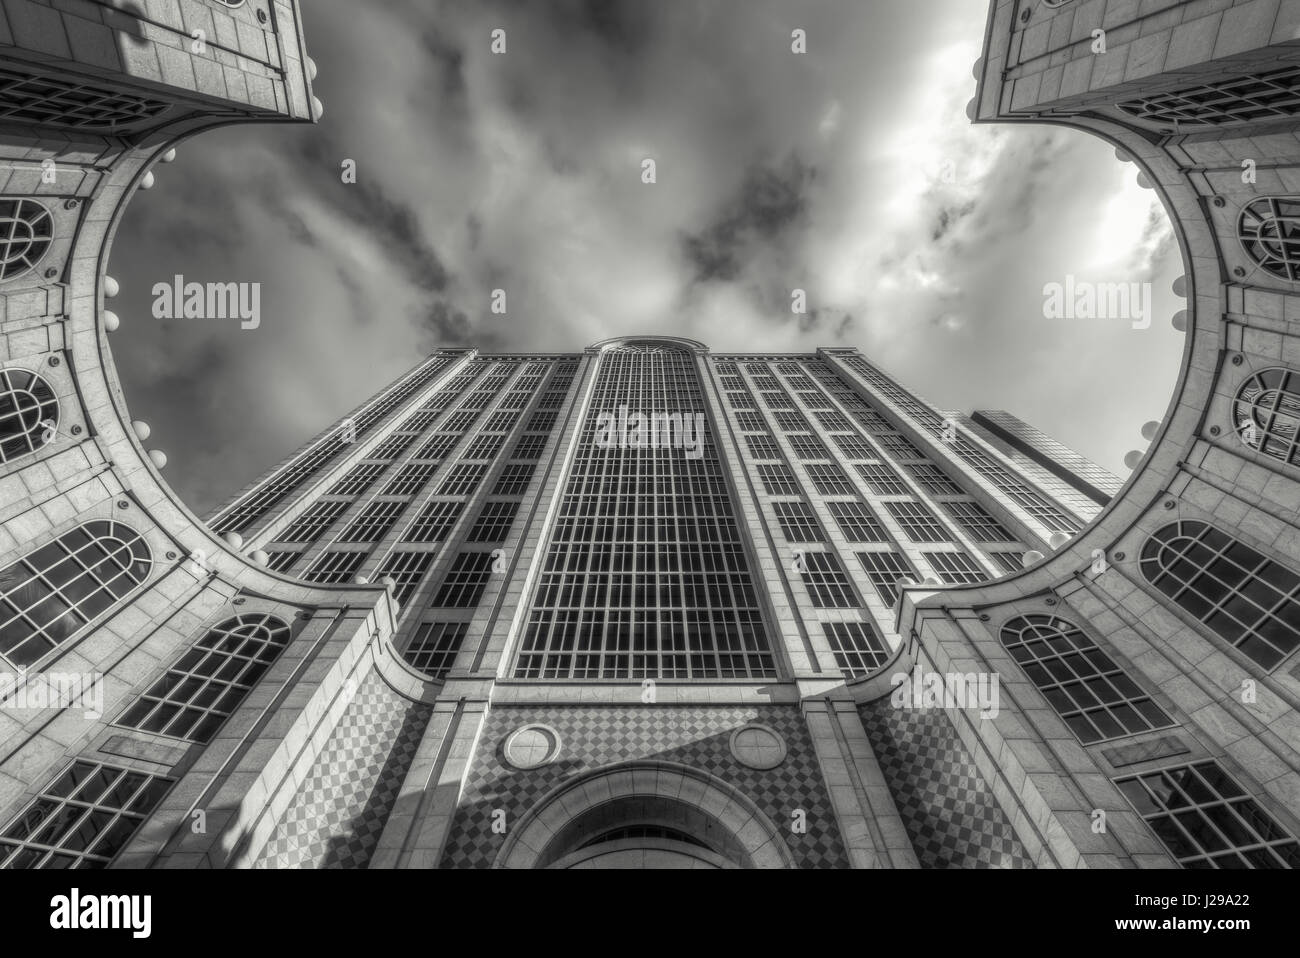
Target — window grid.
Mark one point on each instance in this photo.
(857, 521)
(884, 570)
(196, 695)
(858, 648)
(827, 583)
(434, 647)
(1092, 694)
(83, 819)
(1251, 601)
(52, 593)
(1206, 820)
(798, 522)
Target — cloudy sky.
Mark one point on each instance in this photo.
(849, 171)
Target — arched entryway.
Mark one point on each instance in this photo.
(645, 815)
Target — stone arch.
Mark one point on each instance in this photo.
(553, 829)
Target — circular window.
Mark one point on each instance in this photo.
(29, 413)
(26, 229)
(757, 746)
(532, 746)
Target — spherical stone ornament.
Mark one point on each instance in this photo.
(531, 746)
(757, 746)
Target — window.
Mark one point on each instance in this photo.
(778, 480)
(1248, 599)
(1268, 405)
(459, 421)
(410, 480)
(955, 567)
(373, 523)
(859, 650)
(502, 421)
(26, 230)
(318, 517)
(494, 522)
(1269, 230)
(29, 410)
(882, 480)
(934, 479)
(751, 422)
(392, 447)
(884, 569)
(47, 596)
(463, 586)
(918, 522)
(809, 447)
(528, 447)
(1092, 694)
(1009, 561)
(484, 447)
(406, 569)
(778, 400)
(977, 522)
(740, 401)
(433, 648)
(1241, 99)
(763, 447)
(857, 522)
(791, 421)
(900, 446)
(828, 585)
(872, 421)
(358, 480)
(207, 683)
(541, 421)
(834, 421)
(281, 561)
(462, 479)
(418, 422)
(830, 480)
(798, 522)
(855, 447)
(434, 522)
(82, 819)
(31, 99)
(335, 567)
(437, 447)
(514, 479)
(1207, 820)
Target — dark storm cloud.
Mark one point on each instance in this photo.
(770, 202)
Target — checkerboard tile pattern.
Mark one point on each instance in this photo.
(951, 816)
(337, 817)
(596, 737)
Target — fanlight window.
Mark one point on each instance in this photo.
(209, 681)
(1089, 691)
(25, 98)
(1269, 230)
(1245, 597)
(1267, 414)
(29, 413)
(47, 596)
(26, 229)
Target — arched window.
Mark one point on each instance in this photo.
(26, 229)
(209, 681)
(1269, 230)
(1267, 414)
(1089, 691)
(1245, 597)
(29, 413)
(47, 596)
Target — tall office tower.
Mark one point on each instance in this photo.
(645, 605)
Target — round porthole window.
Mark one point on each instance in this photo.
(757, 746)
(532, 746)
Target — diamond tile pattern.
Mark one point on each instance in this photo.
(596, 737)
(951, 815)
(336, 819)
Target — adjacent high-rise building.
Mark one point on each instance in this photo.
(644, 604)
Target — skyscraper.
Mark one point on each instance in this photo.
(647, 605)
